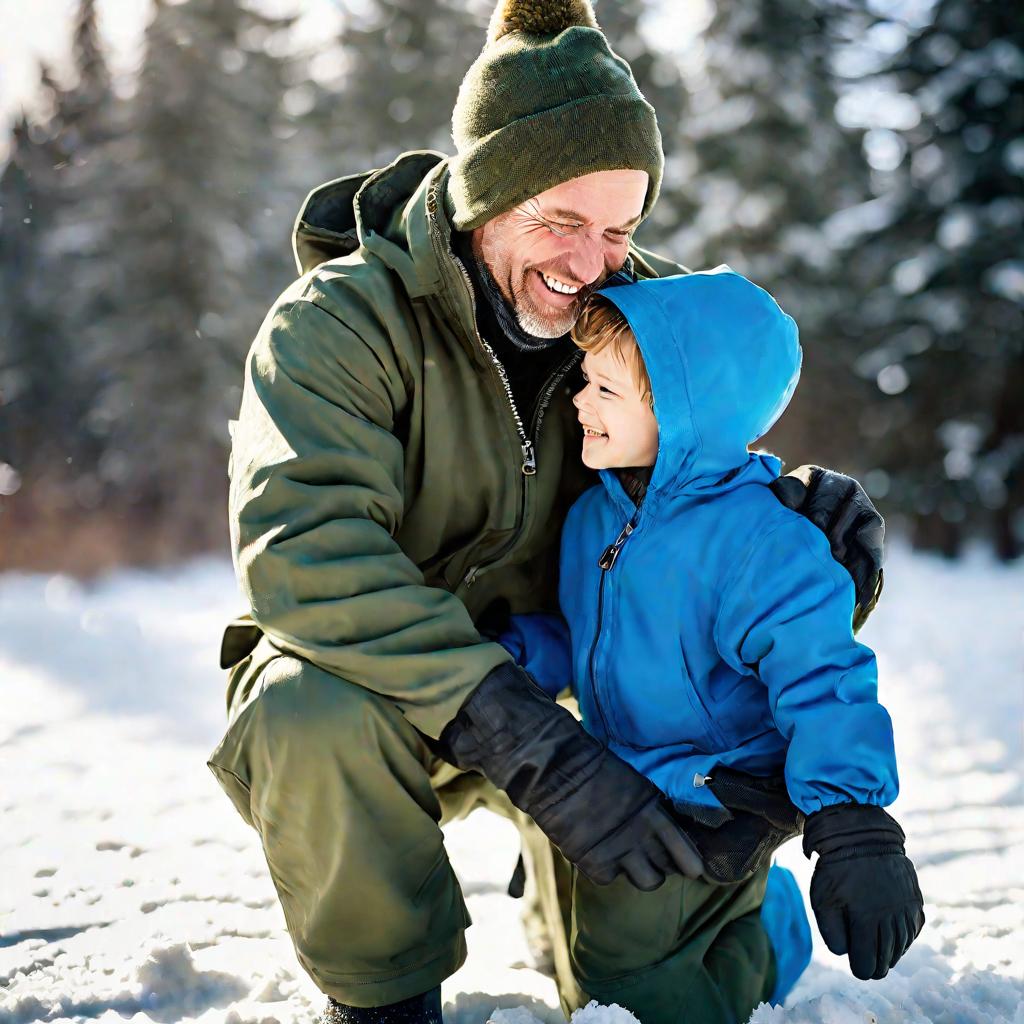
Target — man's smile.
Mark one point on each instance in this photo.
(552, 291)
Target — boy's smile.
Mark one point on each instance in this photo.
(619, 428)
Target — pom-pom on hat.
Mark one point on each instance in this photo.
(546, 101)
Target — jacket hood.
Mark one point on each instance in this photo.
(724, 361)
(384, 211)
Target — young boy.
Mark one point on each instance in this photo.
(709, 628)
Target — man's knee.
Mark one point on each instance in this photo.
(301, 705)
(306, 727)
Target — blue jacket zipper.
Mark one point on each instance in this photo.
(606, 563)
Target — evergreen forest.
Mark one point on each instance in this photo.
(862, 160)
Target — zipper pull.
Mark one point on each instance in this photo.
(470, 578)
(529, 460)
(611, 553)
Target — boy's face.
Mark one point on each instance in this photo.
(618, 425)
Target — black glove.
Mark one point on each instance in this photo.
(864, 891)
(841, 509)
(759, 818)
(603, 815)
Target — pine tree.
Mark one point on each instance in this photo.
(85, 237)
(196, 268)
(770, 168)
(37, 399)
(403, 60)
(626, 23)
(943, 327)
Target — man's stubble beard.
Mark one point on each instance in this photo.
(542, 325)
(539, 324)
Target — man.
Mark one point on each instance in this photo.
(404, 456)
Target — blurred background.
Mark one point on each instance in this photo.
(862, 159)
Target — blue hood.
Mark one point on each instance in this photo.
(724, 361)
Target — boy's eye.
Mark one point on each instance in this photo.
(606, 391)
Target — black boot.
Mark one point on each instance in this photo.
(422, 1009)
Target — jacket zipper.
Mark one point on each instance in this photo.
(529, 466)
(538, 418)
(529, 463)
(606, 563)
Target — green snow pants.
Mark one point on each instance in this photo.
(348, 799)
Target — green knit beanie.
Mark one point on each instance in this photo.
(546, 101)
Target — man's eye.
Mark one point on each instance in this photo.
(618, 236)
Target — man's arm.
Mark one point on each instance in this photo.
(838, 506)
(316, 501)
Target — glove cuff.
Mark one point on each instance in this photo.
(852, 830)
(500, 710)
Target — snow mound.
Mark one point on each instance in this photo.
(517, 1015)
(169, 979)
(594, 1013)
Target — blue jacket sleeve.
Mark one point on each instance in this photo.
(786, 615)
(540, 644)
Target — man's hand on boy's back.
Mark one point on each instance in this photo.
(841, 509)
(864, 891)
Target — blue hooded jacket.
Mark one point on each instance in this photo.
(711, 625)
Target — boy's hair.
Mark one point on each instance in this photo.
(602, 324)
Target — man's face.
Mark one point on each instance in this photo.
(549, 253)
(619, 428)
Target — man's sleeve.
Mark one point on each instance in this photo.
(786, 616)
(317, 496)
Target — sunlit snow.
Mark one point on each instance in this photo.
(131, 889)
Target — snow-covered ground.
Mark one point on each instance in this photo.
(129, 887)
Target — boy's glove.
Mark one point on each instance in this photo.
(839, 507)
(762, 819)
(603, 815)
(864, 891)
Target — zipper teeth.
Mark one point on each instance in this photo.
(616, 546)
(592, 660)
(502, 374)
(542, 405)
(432, 213)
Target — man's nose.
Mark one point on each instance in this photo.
(587, 259)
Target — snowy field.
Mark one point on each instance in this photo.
(131, 889)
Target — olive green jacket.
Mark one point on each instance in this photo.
(385, 494)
